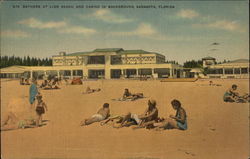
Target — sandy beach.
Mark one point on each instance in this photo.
(216, 130)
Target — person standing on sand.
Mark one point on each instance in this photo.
(32, 93)
(179, 121)
(102, 114)
(40, 109)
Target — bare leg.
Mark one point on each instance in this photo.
(9, 127)
(168, 123)
(89, 121)
(9, 117)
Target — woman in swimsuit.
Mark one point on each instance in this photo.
(179, 121)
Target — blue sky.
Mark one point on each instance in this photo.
(182, 33)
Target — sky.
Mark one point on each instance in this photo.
(180, 30)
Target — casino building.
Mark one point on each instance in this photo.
(106, 63)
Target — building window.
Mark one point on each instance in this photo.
(96, 60)
(244, 71)
(228, 71)
(237, 71)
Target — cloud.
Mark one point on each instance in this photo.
(15, 34)
(223, 25)
(108, 16)
(35, 23)
(77, 30)
(187, 13)
(143, 30)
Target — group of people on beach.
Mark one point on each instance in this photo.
(37, 106)
(149, 119)
(231, 95)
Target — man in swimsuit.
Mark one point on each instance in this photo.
(102, 114)
(128, 95)
(231, 94)
(179, 121)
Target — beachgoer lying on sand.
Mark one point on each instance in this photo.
(44, 84)
(11, 122)
(179, 121)
(40, 109)
(213, 84)
(129, 96)
(51, 84)
(231, 95)
(88, 90)
(102, 114)
(76, 81)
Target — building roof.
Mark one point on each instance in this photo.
(239, 61)
(235, 63)
(134, 52)
(208, 58)
(108, 50)
(14, 69)
(77, 53)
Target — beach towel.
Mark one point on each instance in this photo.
(33, 93)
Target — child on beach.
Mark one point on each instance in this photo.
(40, 109)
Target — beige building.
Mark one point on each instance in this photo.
(208, 61)
(233, 69)
(106, 63)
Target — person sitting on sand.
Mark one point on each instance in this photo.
(26, 81)
(179, 121)
(88, 90)
(22, 80)
(11, 122)
(149, 117)
(102, 114)
(231, 94)
(40, 109)
(130, 96)
(44, 84)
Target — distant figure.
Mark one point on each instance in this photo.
(32, 93)
(76, 81)
(212, 84)
(40, 109)
(11, 122)
(22, 81)
(231, 95)
(88, 90)
(179, 121)
(102, 114)
(127, 95)
(26, 81)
